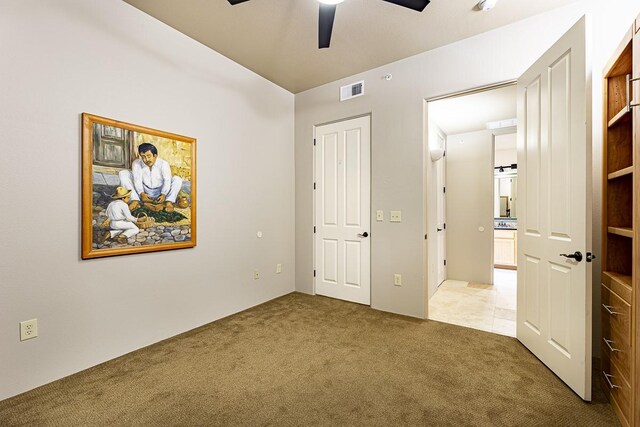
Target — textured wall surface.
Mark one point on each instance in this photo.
(401, 173)
(104, 57)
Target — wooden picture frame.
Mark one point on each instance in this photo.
(124, 180)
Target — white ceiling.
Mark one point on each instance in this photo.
(471, 113)
(278, 38)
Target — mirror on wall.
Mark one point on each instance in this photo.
(505, 187)
(505, 174)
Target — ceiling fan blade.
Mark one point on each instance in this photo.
(234, 2)
(417, 5)
(325, 24)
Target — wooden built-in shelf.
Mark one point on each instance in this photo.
(619, 283)
(621, 63)
(624, 113)
(621, 231)
(621, 172)
(620, 279)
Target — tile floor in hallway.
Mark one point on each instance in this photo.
(481, 306)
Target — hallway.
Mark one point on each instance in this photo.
(486, 307)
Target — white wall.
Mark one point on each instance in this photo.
(470, 207)
(506, 152)
(61, 58)
(398, 125)
(506, 157)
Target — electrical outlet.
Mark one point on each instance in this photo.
(256, 275)
(28, 329)
(278, 268)
(397, 279)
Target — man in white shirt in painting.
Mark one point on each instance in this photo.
(150, 180)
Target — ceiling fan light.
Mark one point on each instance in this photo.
(330, 2)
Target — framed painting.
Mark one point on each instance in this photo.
(138, 189)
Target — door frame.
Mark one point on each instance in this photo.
(493, 241)
(438, 197)
(313, 204)
(429, 215)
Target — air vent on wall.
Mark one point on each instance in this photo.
(351, 91)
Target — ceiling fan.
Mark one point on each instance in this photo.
(328, 13)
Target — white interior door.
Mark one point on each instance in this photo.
(554, 146)
(441, 217)
(342, 210)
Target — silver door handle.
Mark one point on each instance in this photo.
(611, 385)
(608, 343)
(630, 103)
(608, 308)
(365, 234)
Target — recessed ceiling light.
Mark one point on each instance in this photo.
(330, 1)
(486, 5)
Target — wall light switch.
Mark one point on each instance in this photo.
(278, 268)
(397, 279)
(395, 216)
(379, 215)
(256, 275)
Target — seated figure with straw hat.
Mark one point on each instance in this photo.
(122, 223)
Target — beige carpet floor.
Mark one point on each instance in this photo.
(301, 360)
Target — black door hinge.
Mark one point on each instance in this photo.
(445, 262)
(314, 141)
(444, 189)
(314, 273)
(314, 229)
(314, 185)
(445, 226)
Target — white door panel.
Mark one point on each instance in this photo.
(554, 292)
(530, 274)
(342, 199)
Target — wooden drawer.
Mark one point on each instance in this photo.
(620, 284)
(617, 390)
(618, 313)
(616, 347)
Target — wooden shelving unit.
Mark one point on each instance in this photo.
(620, 173)
(620, 117)
(621, 231)
(620, 373)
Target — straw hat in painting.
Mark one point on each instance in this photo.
(120, 193)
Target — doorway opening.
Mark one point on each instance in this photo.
(474, 167)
